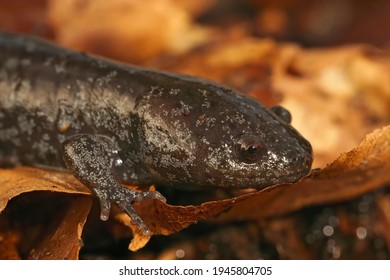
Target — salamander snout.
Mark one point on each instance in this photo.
(300, 159)
(261, 160)
(295, 160)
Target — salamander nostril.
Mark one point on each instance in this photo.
(300, 158)
(294, 159)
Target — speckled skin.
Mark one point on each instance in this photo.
(111, 123)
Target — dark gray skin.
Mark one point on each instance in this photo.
(110, 123)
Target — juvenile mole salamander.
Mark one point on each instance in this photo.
(111, 123)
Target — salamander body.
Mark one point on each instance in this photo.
(111, 123)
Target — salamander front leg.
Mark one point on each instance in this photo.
(88, 157)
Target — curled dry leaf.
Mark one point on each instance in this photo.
(64, 240)
(129, 27)
(53, 229)
(25, 179)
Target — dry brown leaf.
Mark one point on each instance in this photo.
(20, 180)
(60, 240)
(64, 240)
(126, 29)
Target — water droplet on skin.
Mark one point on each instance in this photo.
(118, 162)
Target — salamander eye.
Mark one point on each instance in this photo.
(249, 148)
(282, 113)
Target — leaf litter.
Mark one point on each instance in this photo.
(338, 97)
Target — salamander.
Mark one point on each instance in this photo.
(110, 124)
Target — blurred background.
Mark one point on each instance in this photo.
(160, 26)
(326, 61)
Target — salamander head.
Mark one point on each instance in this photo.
(263, 149)
(254, 146)
(216, 137)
